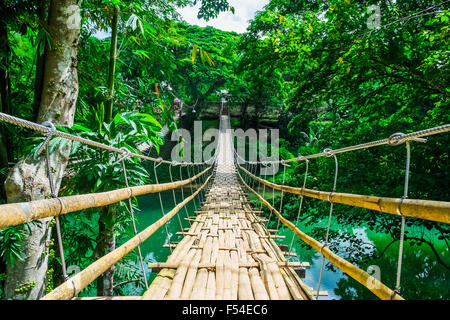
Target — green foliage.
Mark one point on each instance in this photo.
(10, 243)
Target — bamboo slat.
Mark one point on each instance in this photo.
(421, 209)
(161, 285)
(191, 275)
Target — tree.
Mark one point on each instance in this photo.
(28, 179)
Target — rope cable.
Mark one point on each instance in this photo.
(141, 261)
(53, 193)
(162, 207)
(182, 196)
(174, 197)
(300, 205)
(329, 153)
(282, 195)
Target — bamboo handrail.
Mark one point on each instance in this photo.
(81, 280)
(17, 213)
(423, 209)
(377, 287)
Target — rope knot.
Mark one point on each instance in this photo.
(159, 161)
(126, 152)
(396, 139)
(399, 138)
(328, 152)
(50, 132)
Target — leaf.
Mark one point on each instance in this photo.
(194, 53)
(156, 89)
(209, 59)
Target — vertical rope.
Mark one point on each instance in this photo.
(54, 195)
(190, 185)
(182, 196)
(174, 197)
(329, 154)
(300, 205)
(273, 199)
(133, 220)
(200, 195)
(259, 182)
(264, 193)
(282, 195)
(162, 207)
(402, 227)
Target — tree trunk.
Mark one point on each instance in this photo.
(112, 66)
(6, 155)
(106, 241)
(44, 10)
(28, 179)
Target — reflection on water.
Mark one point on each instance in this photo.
(422, 276)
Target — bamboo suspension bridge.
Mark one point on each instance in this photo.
(228, 252)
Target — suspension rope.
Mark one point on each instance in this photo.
(132, 217)
(264, 190)
(44, 129)
(53, 193)
(174, 197)
(155, 165)
(182, 196)
(329, 153)
(273, 199)
(190, 185)
(199, 195)
(401, 136)
(300, 205)
(282, 194)
(394, 139)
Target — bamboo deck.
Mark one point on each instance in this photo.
(227, 253)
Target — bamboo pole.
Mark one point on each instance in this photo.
(280, 264)
(245, 288)
(198, 291)
(220, 279)
(12, 214)
(377, 287)
(191, 275)
(81, 280)
(161, 284)
(421, 209)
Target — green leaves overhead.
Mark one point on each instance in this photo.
(211, 8)
(203, 56)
